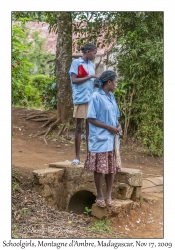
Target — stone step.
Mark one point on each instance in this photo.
(120, 207)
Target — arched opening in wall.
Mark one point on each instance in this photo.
(80, 200)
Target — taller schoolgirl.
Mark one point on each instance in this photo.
(103, 114)
(82, 89)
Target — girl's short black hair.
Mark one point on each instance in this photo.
(88, 46)
(106, 76)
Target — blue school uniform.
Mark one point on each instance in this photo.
(81, 93)
(104, 109)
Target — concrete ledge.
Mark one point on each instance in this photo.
(65, 164)
(47, 176)
(130, 176)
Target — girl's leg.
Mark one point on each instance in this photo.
(87, 133)
(78, 132)
(109, 178)
(98, 184)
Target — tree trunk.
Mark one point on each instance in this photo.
(63, 62)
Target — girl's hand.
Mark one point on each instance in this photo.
(94, 76)
(113, 130)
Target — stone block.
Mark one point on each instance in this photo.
(88, 175)
(73, 174)
(136, 194)
(39, 189)
(124, 191)
(47, 176)
(132, 177)
(115, 189)
(46, 191)
(121, 206)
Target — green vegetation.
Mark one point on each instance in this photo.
(20, 65)
(47, 89)
(15, 176)
(14, 231)
(87, 210)
(140, 66)
(15, 186)
(30, 86)
(101, 226)
(25, 212)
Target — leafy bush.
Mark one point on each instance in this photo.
(46, 88)
(30, 90)
(152, 138)
(32, 96)
(37, 55)
(20, 65)
(139, 56)
(40, 81)
(50, 96)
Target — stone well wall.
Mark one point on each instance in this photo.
(60, 183)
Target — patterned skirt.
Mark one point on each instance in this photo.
(104, 163)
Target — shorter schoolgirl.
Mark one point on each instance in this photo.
(103, 116)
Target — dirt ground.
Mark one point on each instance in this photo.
(30, 153)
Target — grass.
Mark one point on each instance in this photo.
(141, 199)
(15, 185)
(14, 231)
(25, 212)
(101, 226)
(51, 135)
(30, 106)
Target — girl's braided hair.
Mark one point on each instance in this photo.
(88, 46)
(106, 76)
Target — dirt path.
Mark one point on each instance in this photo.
(29, 153)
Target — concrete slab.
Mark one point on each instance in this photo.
(48, 176)
(151, 185)
(121, 206)
(45, 171)
(65, 164)
(153, 181)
